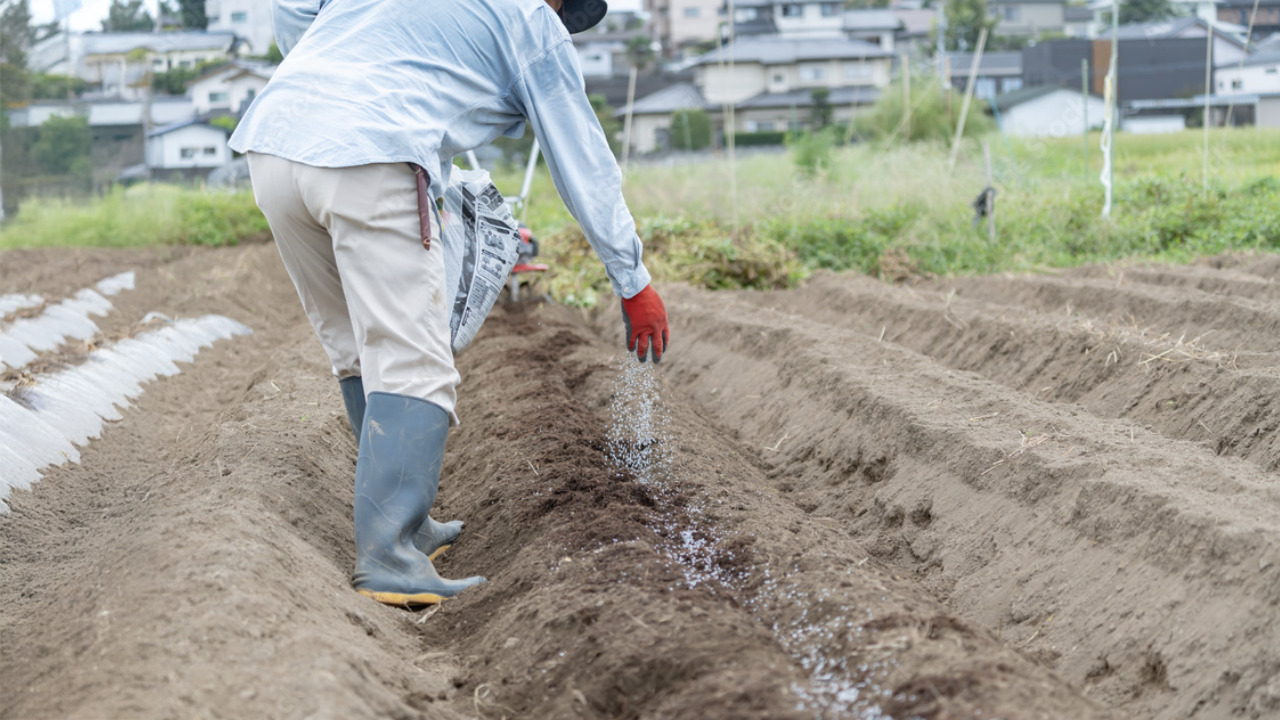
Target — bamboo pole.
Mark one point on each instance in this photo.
(1208, 93)
(968, 97)
(626, 130)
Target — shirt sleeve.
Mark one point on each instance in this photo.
(554, 99)
(291, 19)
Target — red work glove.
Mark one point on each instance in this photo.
(645, 318)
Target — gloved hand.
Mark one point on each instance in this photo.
(645, 318)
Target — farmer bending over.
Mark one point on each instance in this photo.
(369, 92)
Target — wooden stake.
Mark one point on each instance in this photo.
(906, 97)
(991, 200)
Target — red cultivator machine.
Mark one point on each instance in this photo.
(528, 243)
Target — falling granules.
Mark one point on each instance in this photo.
(640, 444)
(638, 426)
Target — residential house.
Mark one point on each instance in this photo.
(651, 115)
(1258, 74)
(1228, 44)
(117, 127)
(679, 25)
(799, 18)
(876, 26)
(250, 20)
(603, 54)
(186, 149)
(1238, 12)
(770, 79)
(122, 64)
(1077, 21)
(916, 35)
(229, 88)
(780, 64)
(1028, 18)
(1148, 68)
(998, 73)
(1047, 111)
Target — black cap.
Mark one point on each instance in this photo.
(579, 15)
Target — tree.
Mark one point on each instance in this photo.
(965, 21)
(128, 16)
(821, 113)
(640, 51)
(193, 17)
(690, 130)
(1137, 11)
(15, 34)
(64, 146)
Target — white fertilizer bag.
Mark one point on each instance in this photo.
(481, 244)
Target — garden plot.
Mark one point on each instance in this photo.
(832, 510)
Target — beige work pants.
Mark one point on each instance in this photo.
(350, 240)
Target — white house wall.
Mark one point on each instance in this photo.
(811, 22)
(1032, 18)
(236, 88)
(165, 151)
(1268, 112)
(256, 27)
(732, 84)
(1057, 114)
(1253, 79)
(746, 80)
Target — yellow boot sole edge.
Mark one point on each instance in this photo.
(402, 599)
(439, 551)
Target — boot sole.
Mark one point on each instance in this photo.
(439, 551)
(402, 599)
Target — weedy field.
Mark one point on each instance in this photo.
(974, 491)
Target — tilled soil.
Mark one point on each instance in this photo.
(978, 498)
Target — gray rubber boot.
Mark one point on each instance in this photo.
(433, 538)
(397, 476)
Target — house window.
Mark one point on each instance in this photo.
(812, 73)
(1012, 14)
(184, 63)
(217, 97)
(250, 94)
(1010, 84)
(187, 153)
(745, 15)
(985, 88)
(764, 127)
(1237, 84)
(211, 150)
(1271, 71)
(779, 78)
(857, 71)
(830, 9)
(792, 11)
(213, 19)
(239, 17)
(691, 12)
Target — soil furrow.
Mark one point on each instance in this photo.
(1225, 323)
(1167, 603)
(1182, 391)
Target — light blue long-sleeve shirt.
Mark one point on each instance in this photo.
(381, 81)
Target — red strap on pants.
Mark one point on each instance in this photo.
(424, 204)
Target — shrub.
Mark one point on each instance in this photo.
(690, 130)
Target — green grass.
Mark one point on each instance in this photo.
(899, 210)
(888, 210)
(139, 216)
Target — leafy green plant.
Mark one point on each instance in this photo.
(690, 130)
